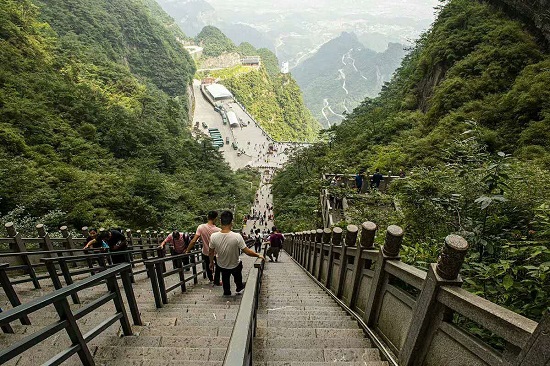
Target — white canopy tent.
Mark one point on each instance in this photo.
(218, 92)
(232, 117)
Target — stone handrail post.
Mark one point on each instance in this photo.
(148, 238)
(46, 240)
(290, 238)
(310, 248)
(85, 232)
(139, 238)
(301, 242)
(390, 251)
(69, 243)
(427, 313)
(368, 232)
(536, 351)
(325, 240)
(130, 244)
(318, 242)
(306, 248)
(349, 242)
(335, 241)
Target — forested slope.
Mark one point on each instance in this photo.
(277, 104)
(93, 119)
(274, 99)
(467, 116)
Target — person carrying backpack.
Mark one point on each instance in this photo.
(257, 241)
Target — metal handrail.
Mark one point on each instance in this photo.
(239, 351)
(67, 319)
(104, 261)
(12, 297)
(157, 273)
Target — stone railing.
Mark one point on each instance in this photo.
(349, 180)
(415, 317)
(328, 215)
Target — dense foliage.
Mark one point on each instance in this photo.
(276, 103)
(94, 120)
(214, 42)
(467, 116)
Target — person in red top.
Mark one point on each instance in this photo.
(178, 246)
(204, 231)
(177, 240)
(275, 241)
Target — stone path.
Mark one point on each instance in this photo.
(192, 329)
(264, 199)
(300, 325)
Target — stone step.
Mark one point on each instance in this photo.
(311, 343)
(308, 303)
(305, 363)
(291, 310)
(276, 332)
(303, 316)
(206, 330)
(166, 354)
(317, 354)
(168, 339)
(333, 324)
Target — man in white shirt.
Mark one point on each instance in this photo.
(228, 245)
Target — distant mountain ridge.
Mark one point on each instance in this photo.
(342, 73)
(190, 15)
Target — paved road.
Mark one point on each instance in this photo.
(253, 143)
(262, 205)
(255, 149)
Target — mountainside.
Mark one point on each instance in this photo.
(276, 103)
(467, 118)
(342, 73)
(94, 119)
(274, 99)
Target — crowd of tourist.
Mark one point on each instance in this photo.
(221, 247)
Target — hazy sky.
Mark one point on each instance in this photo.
(394, 8)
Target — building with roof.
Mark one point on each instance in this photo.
(255, 61)
(218, 92)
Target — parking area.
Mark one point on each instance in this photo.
(253, 146)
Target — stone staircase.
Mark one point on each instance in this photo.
(192, 329)
(300, 325)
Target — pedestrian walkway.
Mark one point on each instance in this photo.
(192, 329)
(264, 199)
(299, 324)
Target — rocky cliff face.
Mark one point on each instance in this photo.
(534, 12)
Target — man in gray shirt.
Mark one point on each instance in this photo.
(228, 245)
